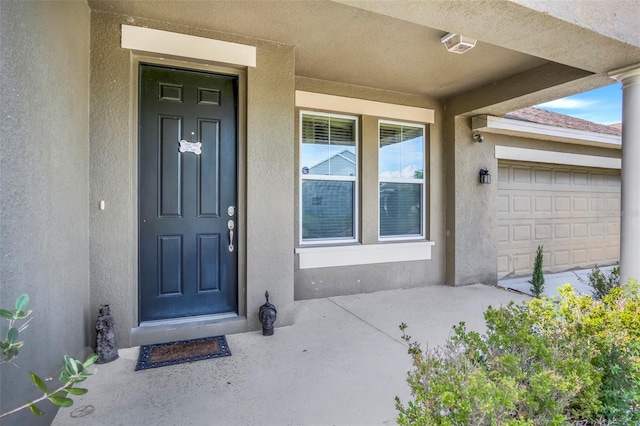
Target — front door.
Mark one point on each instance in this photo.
(188, 263)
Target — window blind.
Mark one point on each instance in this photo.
(328, 130)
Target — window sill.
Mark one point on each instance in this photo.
(324, 257)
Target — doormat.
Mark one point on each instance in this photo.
(163, 354)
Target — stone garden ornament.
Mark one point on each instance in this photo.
(106, 347)
(267, 315)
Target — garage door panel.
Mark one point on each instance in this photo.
(532, 243)
(596, 229)
(521, 204)
(579, 230)
(542, 204)
(572, 211)
(562, 177)
(542, 218)
(542, 177)
(502, 234)
(613, 253)
(613, 206)
(563, 203)
(580, 178)
(522, 174)
(503, 173)
(503, 204)
(580, 256)
(569, 188)
(596, 254)
(562, 258)
(559, 202)
(562, 231)
(521, 263)
(597, 179)
(598, 204)
(580, 204)
(542, 232)
(521, 233)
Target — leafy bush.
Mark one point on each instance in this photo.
(73, 371)
(574, 360)
(602, 282)
(537, 280)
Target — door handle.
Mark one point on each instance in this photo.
(231, 225)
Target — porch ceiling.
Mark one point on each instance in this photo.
(396, 45)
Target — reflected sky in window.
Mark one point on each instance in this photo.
(402, 159)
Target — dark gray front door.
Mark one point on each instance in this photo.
(187, 200)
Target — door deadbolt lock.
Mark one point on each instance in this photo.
(231, 210)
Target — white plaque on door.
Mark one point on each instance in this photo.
(195, 147)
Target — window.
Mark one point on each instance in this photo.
(329, 178)
(402, 182)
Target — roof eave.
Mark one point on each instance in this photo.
(527, 129)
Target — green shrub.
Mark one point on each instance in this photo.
(73, 371)
(602, 282)
(573, 360)
(537, 280)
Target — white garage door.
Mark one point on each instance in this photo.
(573, 211)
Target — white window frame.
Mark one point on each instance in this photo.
(356, 179)
(422, 182)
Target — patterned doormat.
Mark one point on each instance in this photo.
(162, 354)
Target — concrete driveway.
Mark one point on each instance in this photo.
(341, 363)
(579, 280)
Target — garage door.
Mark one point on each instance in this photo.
(573, 211)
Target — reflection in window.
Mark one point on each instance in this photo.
(401, 151)
(401, 175)
(327, 209)
(400, 207)
(328, 170)
(328, 145)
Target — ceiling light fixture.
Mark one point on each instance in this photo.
(458, 44)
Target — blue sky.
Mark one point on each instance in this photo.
(603, 105)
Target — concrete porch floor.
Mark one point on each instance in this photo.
(341, 363)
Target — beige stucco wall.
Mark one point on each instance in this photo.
(44, 233)
(269, 175)
(324, 282)
(471, 216)
(471, 221)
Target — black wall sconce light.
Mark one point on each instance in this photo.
(478, 137)
(485, 176)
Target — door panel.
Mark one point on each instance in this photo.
(208, 179)
(185, 262)
(170, 179)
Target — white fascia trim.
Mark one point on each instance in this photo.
(508, 126)
(325, 257)
(363, 107)
(553, 157)
(187, 46)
